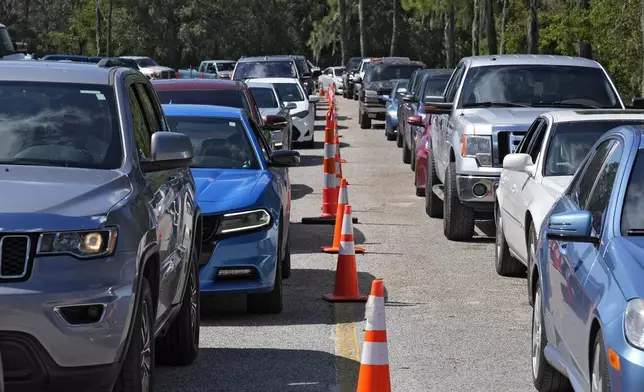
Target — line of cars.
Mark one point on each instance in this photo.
(546, 148)
(159, 194)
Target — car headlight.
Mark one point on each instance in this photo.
(244, 221)
(479, 147)
(303, 114)
(81, 244)
(634, 322)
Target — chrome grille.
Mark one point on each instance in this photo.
(505, 140)
(168, 75)
(14, 256)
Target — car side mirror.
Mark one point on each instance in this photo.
(169, 150)
(416, 121)
(402, 91)
(274, 122)
(285, 158)
(290, 106)
(438, 107)
(314, 98)
(637, 103)
(571, 226)
(521, 163)
(316, 73)
(408, 98)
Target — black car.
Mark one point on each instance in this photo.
(349, 68)
(307, 76)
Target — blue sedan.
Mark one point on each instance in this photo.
(244, 192)
(588, 274)
(391, 115)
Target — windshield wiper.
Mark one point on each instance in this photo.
(489, 104)
(35, 162)
(635, 232)
(562, 104)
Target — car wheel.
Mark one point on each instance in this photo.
(412, 165)
(505, 264)
(180, 345)
(271, 302)
(532, 259)
(389, 133)
(406, 152)
(600, 378)
(420, 192)
(458, 220)
(545, 377)
(399, 141)
(137, 373)
(365, 121)
(286, 260)
(311, 143)
(433, 204)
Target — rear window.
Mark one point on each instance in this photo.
(264, 97)
(225, 67)
(289, 92)
(230, 98)
(388, 72)
(265, 69)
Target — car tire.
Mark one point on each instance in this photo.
(389, 133)
(131, 377)
(399, 141)
(365, 121)
(286, 259)
(505, 264)
(433, 204)
(310, 144)
(458, 220)
(420, 192)
(412, 164)
(180, 345)
(545, 377)
(600, 374)
(406, 152)
(271, 302)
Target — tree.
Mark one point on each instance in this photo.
(585, 48)
(450, 38)
(110, 6)
(476, 32)
(361, 21)
(504, 25)
(533, 28)
(99, 28)
(394, 28)
(490, 22)
(342, 15)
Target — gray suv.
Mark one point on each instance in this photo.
(99, 233)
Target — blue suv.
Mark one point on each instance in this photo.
(99, 230)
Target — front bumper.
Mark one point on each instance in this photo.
(256, 251)
(630, 377)
(476, 190)
(374, 110)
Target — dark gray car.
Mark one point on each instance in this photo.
(100, 231)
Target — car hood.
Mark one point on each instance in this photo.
(221, 190)
(379, 85)
(556, 185)
(55, 198)
(158, 68)
(625, 256)
(484, 118)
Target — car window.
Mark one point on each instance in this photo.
(202, 67)
(211, 68)
(153, 120)
(388, 72)
(142, 134)
(146, 62)
(59, 124)
(603, 188)
(590, 173)
(435, 86)
(218, 142)
(230, 98)
(265, 97)
(454, 83)
(225, 67)
(522, 148)
(537, 141)
(6, 44)
(289, 92)
(261, 138)
(633, 210)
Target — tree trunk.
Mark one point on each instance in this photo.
(476, 33)
(361, 19)
(533, 28)
(342, 14)
(504, 25)
(642, 26)
(492, 47)
(450, 41)
(99, 28)
(110, 4)
(585, 48)
(394, 28)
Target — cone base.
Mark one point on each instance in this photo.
(333, 250)
(323, 220)
(343, 161)
(344, 298)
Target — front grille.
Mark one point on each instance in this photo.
(14, 256)
(209, 227)
(168, 75)
(505, 142)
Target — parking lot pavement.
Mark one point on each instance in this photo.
(452, 323)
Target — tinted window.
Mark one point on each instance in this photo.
(388, 72)
(353, 64)
(339, 71)
(6, 45)
(218, 142)
(302, 66)
(265, 69)
(593, 167)
(289, 92)
(264, 97)
(226, 67)
(142, 134)
(56, 124)
(531, 84)
(435, 86)
(146, 62)
(454, 83)
(534, 147)
(600, 195)
(231, 98)
(570, 142)
(633, 212)
(154, 122)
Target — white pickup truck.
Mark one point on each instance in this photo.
(489, 103)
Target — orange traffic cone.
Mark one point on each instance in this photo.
(343, 200)
(346, 274)
(329, 120)
(374, 364)
(321, 92)
(329, 188)
(337, 141)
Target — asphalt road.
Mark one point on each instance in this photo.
(453, 324)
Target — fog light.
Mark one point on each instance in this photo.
(82, 314)
(237, 273)
(479, 190)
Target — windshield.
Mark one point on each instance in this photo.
(6, 45)
(265, 69)
(353, 64)
(436, 85)
(538, 84)
(225, 67)
(571, 141)
(231, 98)
(633, 211)
(220, 143)
(289, 92)
(146, 62)
(388, 72)
(264, 97)
(56, 124)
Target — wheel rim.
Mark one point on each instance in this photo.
(597, 379)
(146, 352)
(536, 335)
(499, 233)
(194, 310)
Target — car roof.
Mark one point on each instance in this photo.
(393, 63)
(201, 110)
(135, 57)
(561, 116)
(55, 71)
(265, 58)
(196, 84)
(530, 59)
(219, 61)
(274, 80)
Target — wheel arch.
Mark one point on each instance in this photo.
(595, 329)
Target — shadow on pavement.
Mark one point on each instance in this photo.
(378, 126)
(311, 160)
(299, 191)
(319, 127)
(341, 118)
(306, 239)
(255, 369)
(303, 303)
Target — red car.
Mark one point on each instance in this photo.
(422, 144)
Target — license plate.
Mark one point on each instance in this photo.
(371, 115)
